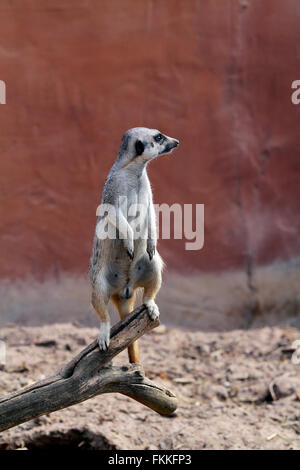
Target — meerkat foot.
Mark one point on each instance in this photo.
(130, 253)
(104, 336)
(153, 310)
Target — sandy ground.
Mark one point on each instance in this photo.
(236, 390)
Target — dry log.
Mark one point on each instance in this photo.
(89, 374)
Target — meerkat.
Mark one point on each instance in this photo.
(120, 265)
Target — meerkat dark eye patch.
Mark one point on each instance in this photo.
(139, 147)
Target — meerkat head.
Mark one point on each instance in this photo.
(141, 145)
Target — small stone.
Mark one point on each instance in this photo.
(220, 392)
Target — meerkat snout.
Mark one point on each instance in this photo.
(171, 144)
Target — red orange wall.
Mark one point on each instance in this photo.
(215, 74)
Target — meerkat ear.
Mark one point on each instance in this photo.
(139, 147)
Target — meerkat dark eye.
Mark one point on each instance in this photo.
(158, 138)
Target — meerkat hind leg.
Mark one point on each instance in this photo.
(100, 306)
(125, 307)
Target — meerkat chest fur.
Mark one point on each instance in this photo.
(139, 202)
(131, 195)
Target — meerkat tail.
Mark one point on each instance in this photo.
(133, 353)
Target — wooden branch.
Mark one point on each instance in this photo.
(89, 374)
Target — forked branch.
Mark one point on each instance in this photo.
(88, 374)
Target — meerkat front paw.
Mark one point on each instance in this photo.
(104, 336)
(150, 248)
(129, 246)
(153, 310)
(130, 253)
